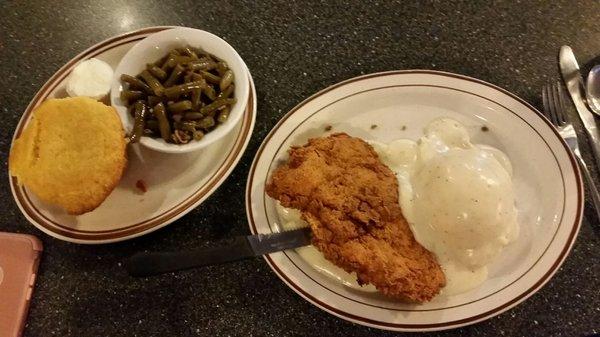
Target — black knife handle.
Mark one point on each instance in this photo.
(148, 264)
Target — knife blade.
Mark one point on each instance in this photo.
(571, 75)
(241, 247)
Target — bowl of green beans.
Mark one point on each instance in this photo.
(180, 90)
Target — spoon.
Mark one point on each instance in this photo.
(593, 90)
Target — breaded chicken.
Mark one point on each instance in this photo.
(71, 154)
(350, 199)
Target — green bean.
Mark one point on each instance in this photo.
(169, 63)
(154, 100)
(152, 125)
(204, 54)
(196, 93)
(183, 59)
(211, 78)
(197, 51)
(189, 52)
(138, 126)
(163, 123)
(206, 123)
(152, 82)
(222, 68)
(180, 106)
(226, 80)
(210, 92)
(192, 116)
(217, 104)
(199, 78)
(212, 113)
(178, 90)
(223, 115)
(161, 61)
(135, 83)
(227, 93)
(187, 77)
(202, 64)
(175, 74)
(156, 71)
(130, 95)
(198, 135)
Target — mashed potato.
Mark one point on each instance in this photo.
(458, 198)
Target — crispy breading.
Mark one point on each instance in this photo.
(71, 154)
(350, 199)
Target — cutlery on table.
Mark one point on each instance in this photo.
(553, 99)
(574, 83)
(242, 247)
(593, 90)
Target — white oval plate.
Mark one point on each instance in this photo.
(547, 181)
(176, 182)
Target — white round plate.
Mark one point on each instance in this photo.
(547, 182)
(176, 183)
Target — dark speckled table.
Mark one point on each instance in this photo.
(292, 50)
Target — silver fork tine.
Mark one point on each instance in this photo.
(556, 100)
(545, 102)
(552, 103)
(562, 107)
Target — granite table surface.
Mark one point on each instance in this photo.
(293, 49)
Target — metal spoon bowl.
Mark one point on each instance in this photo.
(593, 89)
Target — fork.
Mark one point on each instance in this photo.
(553, 99)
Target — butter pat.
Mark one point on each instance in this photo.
(90, 78)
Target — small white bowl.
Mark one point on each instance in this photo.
(158, 45)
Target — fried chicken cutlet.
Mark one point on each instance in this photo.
(350, 199)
